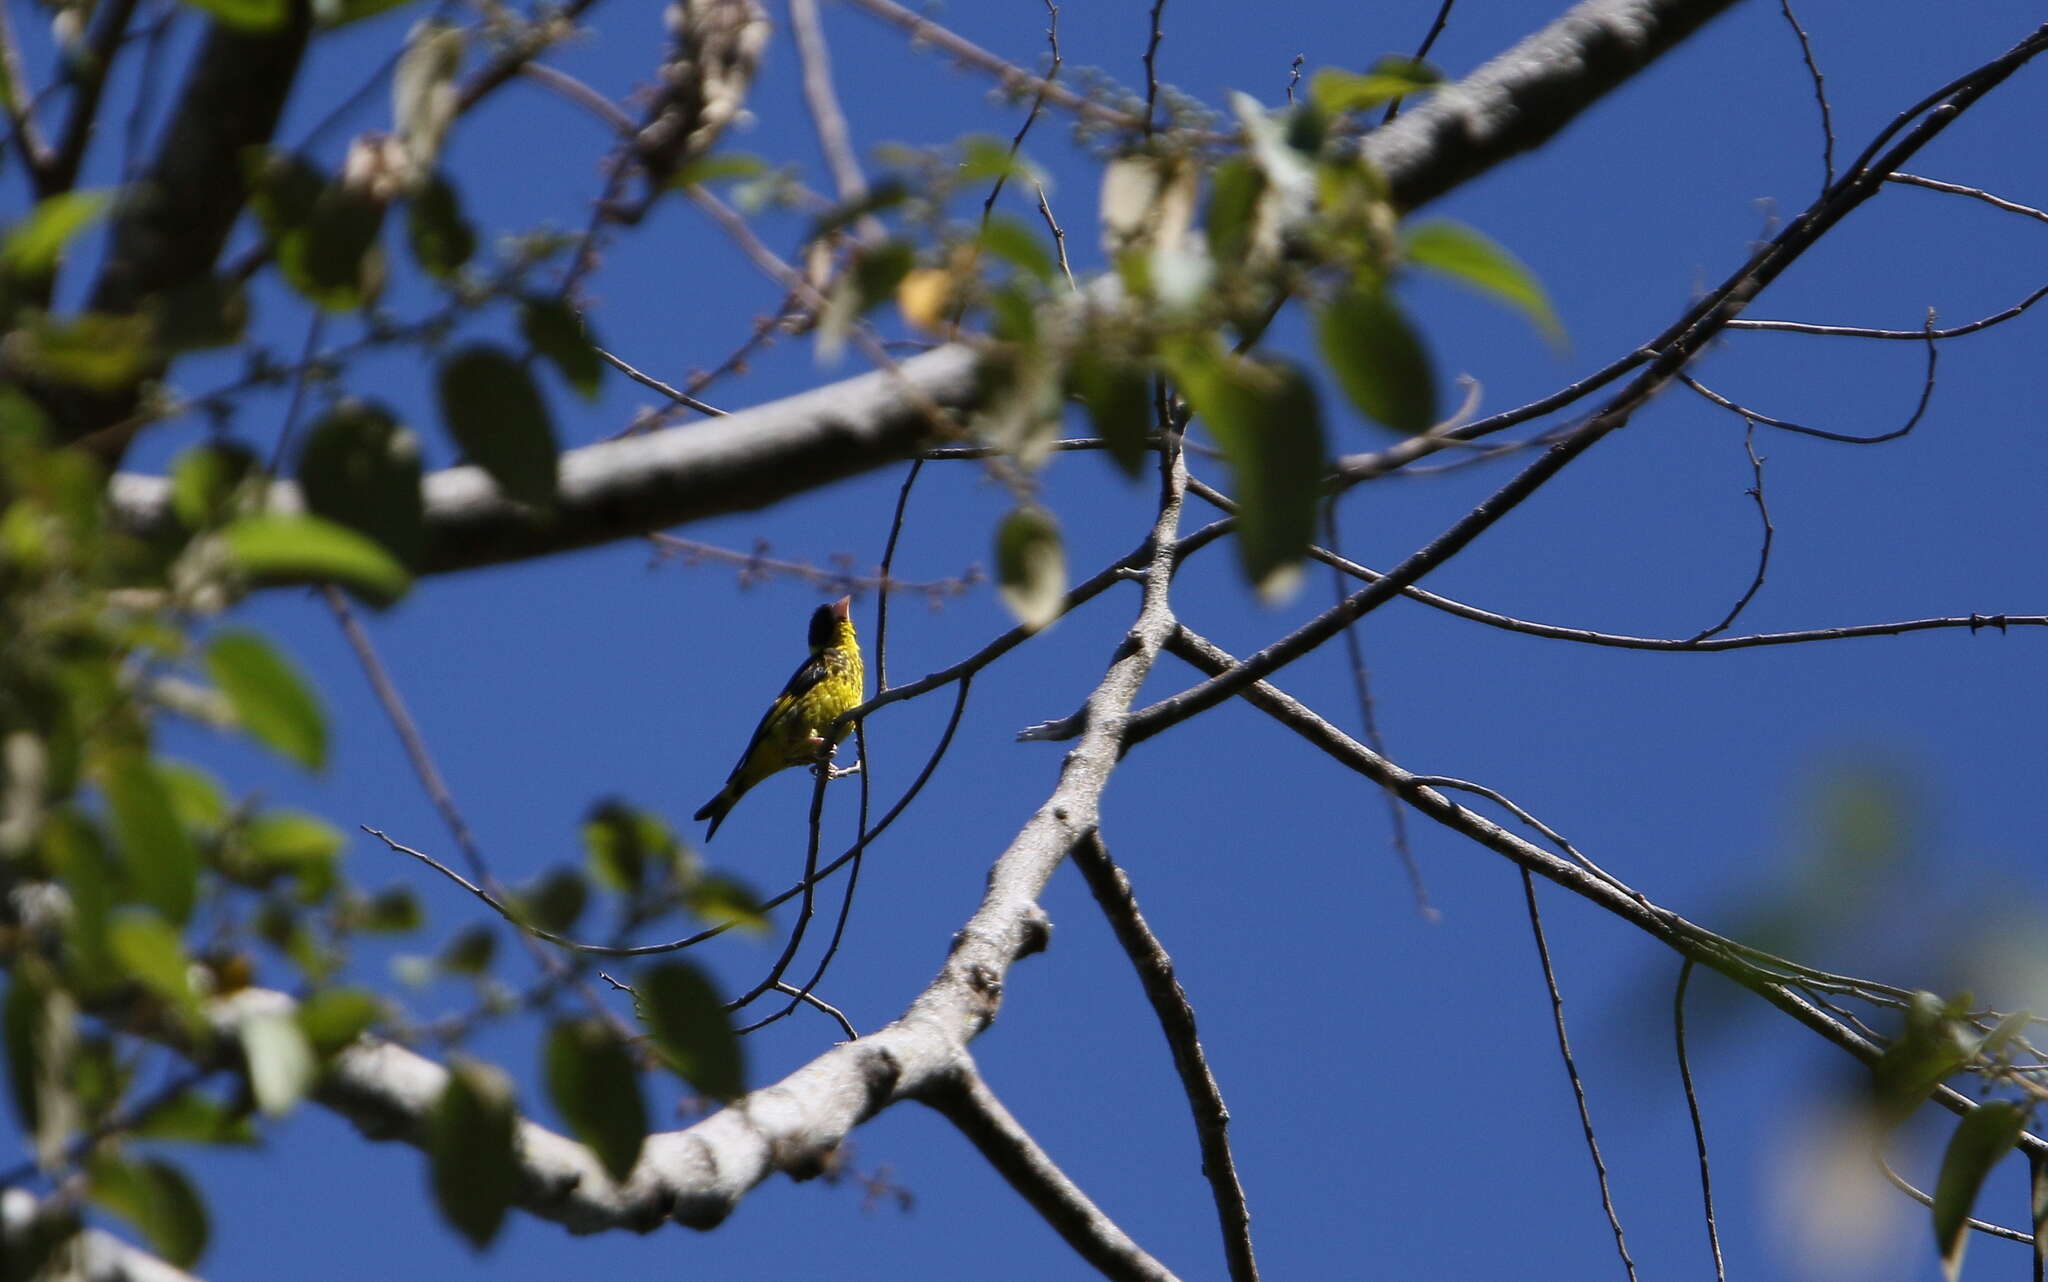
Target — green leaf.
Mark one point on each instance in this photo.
(471, 1149)
(554, 902)
(394, 910)
(494, 411)
(98, 351)
(360, 468)
(1933, 1045)
(41, 1041)
(984, 159)
(203, 313)
(441, 239)
(595, 1086)
(622, 842)
(1984, 1135)
(333, 1018)
(1017, 245)
(332, 258)
(1335, 91)
(282, 1065)
(157, 1199)
(1471, 258)
(1118, 394)
(719, 167)
(283, 190)
(156, 853)
(193, 1118)
(689, 1025)
(1031, 565)
(32, 247)
(196, 796)
(471, 951)
(885, 194)
(1232, 225)
(1266, 417)
(205, 479)
(722, 900)
(149, 950)
(270, 697)
(556, 331)
(296, 549)
(1378, 360)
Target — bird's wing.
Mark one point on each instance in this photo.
(808, 674)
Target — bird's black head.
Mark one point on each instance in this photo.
(825, 621)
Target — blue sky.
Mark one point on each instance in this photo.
(1398, 1104)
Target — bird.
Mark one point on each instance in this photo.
(792, 732)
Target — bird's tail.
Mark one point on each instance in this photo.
(717, 808)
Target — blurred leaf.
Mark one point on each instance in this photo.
(886, 193)
(98, 351)
(720, 900)
(1147, 202)
(283, 189)
(1232, 224)
(1336, 92)
(1378, 360)
(157, 854)
(335, 1017)
(1930, 1049)
(1288, 170)
(924, 296)
(1118, 395)
(441, 239)
(270, 697)
(554, 902)
(360, 468)
(157, 1199)
(196, 796)
(332, 258)
(73, 848)
(423, 90)
(1017, 245)
(204, 480)
(1984, 1135)
(1266, 418)
(595, 1086)
(281, 1061)
(149, 950)
(394, 910)
(621, 841)
(295, 549)
(193, 1118)
(31, 248)
(470, 951)
(556, 331)
(494, 411)
(207, 312)
(1031, 565)
(470, 1145)
(244, 15)
(39, 1021)
(2038, 1197)
(2008, 1028)
(718, 167)
(290, 841)
(1466, 255)
(985, 159)
(689, 1025)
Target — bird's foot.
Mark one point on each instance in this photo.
(827, 771)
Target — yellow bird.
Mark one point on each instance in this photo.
(792, 733)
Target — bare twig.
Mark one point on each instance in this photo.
(1975, 193)
(1752, 417)
(1436, 28)
(1827, 133)
(1896, 335)
(681, 398)
(1699, 1130)
(1149, 958)
(1152, 66)
(1763, 555)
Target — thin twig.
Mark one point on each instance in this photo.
(649, 381)
(1975, 193)
(1699, 1130)
(1154, 966)
(1827, 124)
(1368, 716)
(1752, 417)
(1059, 238)
(828, 121)
(1895, 335)
(1900, 1183)
(281, 452)
(1763, 556)
(1571, 1068)
(1436, 28)
(1152, 65)
(842, 581)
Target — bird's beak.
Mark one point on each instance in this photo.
(842, 608)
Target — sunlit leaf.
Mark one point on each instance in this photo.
(1467, 256)
(193, 1118)
(1031, 565)
(98, 351)
(554, 902)
(270, 696)
(723, 901)
(1017, 245)
(337, 13)
(470, 1146)
(683, 1013)
(624, 844)
(299, 549)
(1378, 360)
(335, 1017)
(149, 950)
(282, 1065)
(360, 468)
(1147, 201)
(595, 1086)
(1983, 1136)
(495, 412)
(424, 94)
(1335, 91)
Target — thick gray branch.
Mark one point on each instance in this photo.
(630, 486)
(93, 1254)
(1520, 99)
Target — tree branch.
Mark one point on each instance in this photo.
(96, 1256)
